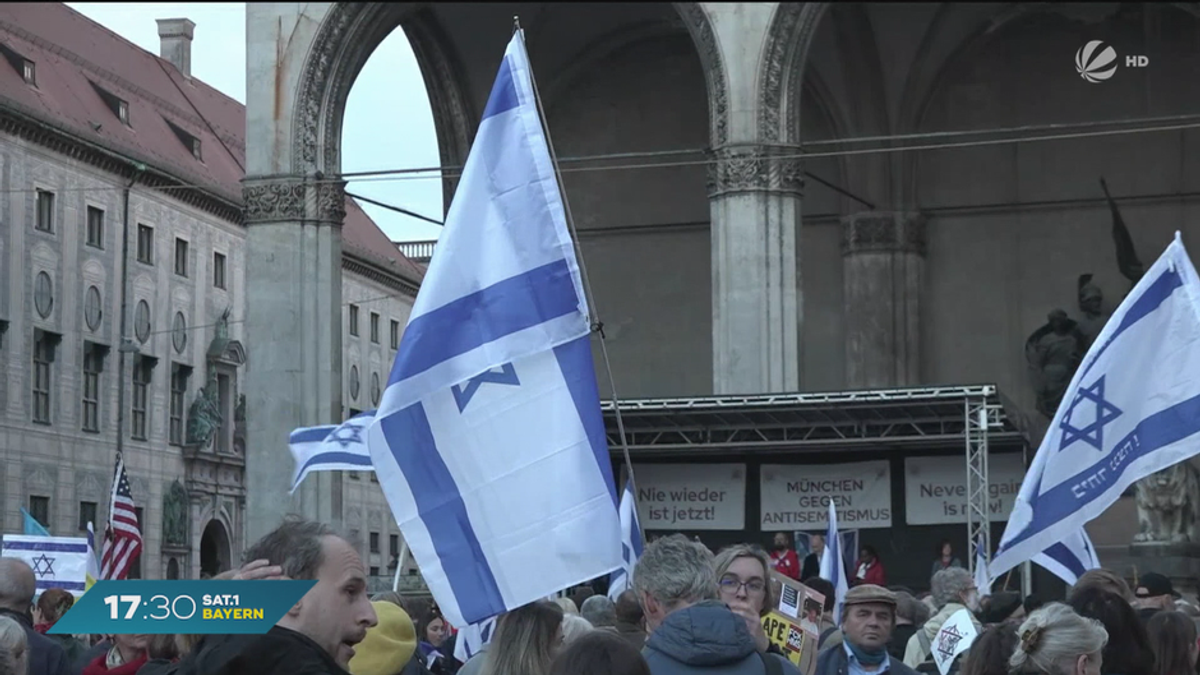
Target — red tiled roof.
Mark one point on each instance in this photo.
(73, 55)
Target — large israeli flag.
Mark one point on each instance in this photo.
(331, 447)
(631, 543)
(57, 562)
(489, 441)
(833, 565)
(1070, 558)
(1133, 408)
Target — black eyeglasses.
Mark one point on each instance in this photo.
(731, 584)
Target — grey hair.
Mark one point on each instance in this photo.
(675, 570)
(731, 553)
(297, 546)
(911, 609)
(1054, 636)
(948, 584)
(14, 641)
(600, 611)
(574, 627)
(17, 584)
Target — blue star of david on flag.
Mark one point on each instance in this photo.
(507, 375)
(347, 434)
(1092, 434)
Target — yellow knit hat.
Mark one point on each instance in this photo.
(389, 645)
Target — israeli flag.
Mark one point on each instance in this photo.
(833, 565)
(631, 544)
(57, 562)
(331, 447)
(1070, 558)
(1133, 408)
(489, 442)
(983, 581)
(473, 638)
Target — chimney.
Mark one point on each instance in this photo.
(175, 43)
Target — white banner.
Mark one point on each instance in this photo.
(935, 488)
(690, 496)
(57, 562)
(797, 496)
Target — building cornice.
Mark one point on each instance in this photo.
(369, 269)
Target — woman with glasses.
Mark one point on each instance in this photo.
(744, 584)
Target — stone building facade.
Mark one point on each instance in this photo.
(747, 235)
(100, 139)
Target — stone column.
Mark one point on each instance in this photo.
(755, 193)
(882, 275)
(294, 338)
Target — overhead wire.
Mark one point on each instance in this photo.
(1033, 135)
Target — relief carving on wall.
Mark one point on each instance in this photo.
(754, 169)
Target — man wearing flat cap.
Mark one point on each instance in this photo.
(868, 616)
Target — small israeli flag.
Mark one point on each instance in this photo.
(489, 442)
(833, 565)
(473, 638)
(631, 544)
(983, 581)
(331, 447)
(1132, 409)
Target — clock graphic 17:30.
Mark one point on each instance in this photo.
(158, 607)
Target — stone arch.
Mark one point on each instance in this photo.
(785, 52)
(351, 31)
(216, 550)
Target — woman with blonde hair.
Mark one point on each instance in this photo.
(526, 641)
(744, 584)
(1055, 640)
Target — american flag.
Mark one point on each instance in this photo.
(122, 536)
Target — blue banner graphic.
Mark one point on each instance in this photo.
(153, 607)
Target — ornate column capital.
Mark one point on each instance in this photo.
(281, 199)
(755, 168)
(883, 232)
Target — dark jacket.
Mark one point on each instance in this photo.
(899, 641)
(632, 632)
(46, 657)
(811, 567)
(281, 651)
(211, 654)
(706, 638)
(156, 667)
(835, 661)
(90, 655)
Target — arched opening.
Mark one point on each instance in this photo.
(172, 568)
(656, 63)
(214, 549)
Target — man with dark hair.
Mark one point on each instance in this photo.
(630, 619)
(17, 587)
(318, 634)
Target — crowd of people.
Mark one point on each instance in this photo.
(688, 611)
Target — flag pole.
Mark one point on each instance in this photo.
(400, 565)
(597, 324)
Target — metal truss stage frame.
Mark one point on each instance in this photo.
(970, 418)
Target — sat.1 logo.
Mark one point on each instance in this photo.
(1096, 62)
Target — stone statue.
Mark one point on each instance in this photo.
(1168, 505)
(1091, 308)
(222, 328)
(1053, 352)
(204, 417)
(239, 413)
(175, 503)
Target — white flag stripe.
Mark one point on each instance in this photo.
(489, 443)
(1132, 409)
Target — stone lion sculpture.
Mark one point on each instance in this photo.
(1167, 505)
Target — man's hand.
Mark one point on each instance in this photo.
(255, 570)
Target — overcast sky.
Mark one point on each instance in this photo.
(388, 122)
